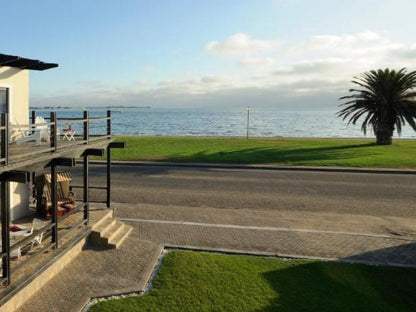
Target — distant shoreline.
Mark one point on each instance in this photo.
(254, 137)
(86, 107)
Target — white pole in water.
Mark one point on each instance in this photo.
(248, 119)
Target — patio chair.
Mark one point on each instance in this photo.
(38, 134)
(16, 253)
(66, 198)
(37, 224)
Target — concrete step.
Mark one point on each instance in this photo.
(98, 230)
(104, 226)
(118, 239)
(97, 217)
(111, 232)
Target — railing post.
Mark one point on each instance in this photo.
(54, 195)
(4, 137)
(86, 126)
(109, 177)
(54, 131)
(109, 123)
(5, 234)
(109, 148)
(86, 199)
(33, 118)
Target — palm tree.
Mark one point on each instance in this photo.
(387, 100)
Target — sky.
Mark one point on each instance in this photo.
(288, 54)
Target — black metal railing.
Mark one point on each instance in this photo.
(49, 242)
(62, 133)
(53, 235)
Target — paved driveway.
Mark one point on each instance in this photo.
(331, 215)
(351, 193)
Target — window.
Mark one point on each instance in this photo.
(3, 100)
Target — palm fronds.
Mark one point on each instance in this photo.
(384, 98)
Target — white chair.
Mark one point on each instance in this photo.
(40, 133)
(37, 224)
(16, 253)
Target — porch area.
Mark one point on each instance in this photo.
(23, 143)
(40, 265)
(39, 223)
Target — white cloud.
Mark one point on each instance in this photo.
(262, 71)
(257, 61)
(241, 44)
(362, 43)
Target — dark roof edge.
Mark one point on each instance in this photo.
(24, 63)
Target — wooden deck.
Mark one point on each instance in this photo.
(19, 271)
(30, 149)
(30, 156)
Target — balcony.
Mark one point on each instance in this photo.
(22, 145)
(30, 150)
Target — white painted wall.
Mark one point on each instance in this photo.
(17, 81)
(19, 200)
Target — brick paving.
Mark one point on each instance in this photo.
(96, 273)
(362, 248)
(370, 239)
(334, 236)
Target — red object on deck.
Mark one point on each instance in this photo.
(14, 228)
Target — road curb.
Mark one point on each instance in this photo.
(255, 253)
(260, 167)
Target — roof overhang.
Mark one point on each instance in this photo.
(24, 63)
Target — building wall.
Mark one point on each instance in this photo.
(17, 80)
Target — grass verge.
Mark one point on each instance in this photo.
(281, 151)
(191, 281)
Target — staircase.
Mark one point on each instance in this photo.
(109, 232)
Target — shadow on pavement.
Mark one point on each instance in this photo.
(398, 255)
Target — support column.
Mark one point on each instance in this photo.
(33, 119)
(54, 195)
(109, 147)
(54, 131)
(61, 161)
(86, 198)
(108, 177)
(5, 178)
(5, 233)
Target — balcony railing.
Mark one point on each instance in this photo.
(19, 141)
(69, 226)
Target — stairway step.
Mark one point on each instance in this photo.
(118, 239)
(105, 226)
(113, 231)
(98, 217)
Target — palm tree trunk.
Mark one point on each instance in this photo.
(384, 135)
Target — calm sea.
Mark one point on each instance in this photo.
(197, 122)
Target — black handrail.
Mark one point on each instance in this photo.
(54, 122)
(51, 229)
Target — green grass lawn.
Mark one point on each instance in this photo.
(191, 281)
(282, 151)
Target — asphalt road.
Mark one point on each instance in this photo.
(357, 193)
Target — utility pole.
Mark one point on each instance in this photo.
(248, 120)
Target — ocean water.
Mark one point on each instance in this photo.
(197, 122)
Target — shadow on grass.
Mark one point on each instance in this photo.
(266, 155)
(336, 286)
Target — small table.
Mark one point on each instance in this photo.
(69, 134)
